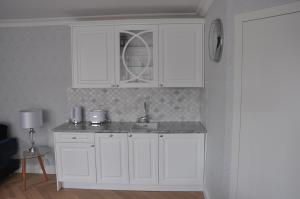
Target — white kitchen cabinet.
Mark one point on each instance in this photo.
(156, 53)
(112, 158)
(136, 55)
(76, 162)
(181, 55)
(181, 159)
(130, 161)
(93, 56)
(143, 158)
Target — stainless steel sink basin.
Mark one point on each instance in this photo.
(145, 126)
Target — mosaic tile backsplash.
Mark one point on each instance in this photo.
(164, 104)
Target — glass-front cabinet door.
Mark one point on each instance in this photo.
(137, 56)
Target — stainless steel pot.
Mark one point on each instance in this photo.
(97, 116)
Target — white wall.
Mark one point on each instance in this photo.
(35, 72)
(216, 74)
(219, 94)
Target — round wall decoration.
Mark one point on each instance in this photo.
(215, 44)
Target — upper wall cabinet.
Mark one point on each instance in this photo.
(181, 55)
(93, 56)
(151, 53)
(136, 56)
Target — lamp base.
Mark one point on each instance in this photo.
(33, 149)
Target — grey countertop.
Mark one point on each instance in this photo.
(129, 127)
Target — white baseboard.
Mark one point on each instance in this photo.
(132, 187)
(50, 169)
(205, 193)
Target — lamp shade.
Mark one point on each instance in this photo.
(31, 118)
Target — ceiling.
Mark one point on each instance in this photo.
(23, 9)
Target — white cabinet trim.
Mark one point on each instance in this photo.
(106, 20)
(133, 187)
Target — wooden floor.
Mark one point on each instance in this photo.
(38, 189)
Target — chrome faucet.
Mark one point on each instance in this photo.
(145, 118)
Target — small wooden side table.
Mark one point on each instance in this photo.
(40, 152)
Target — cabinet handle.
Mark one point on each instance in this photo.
(161, 136)
(73, 138)
(130, 135)
(92, 145)
(111, 135)
(161, 85)
(117, 85)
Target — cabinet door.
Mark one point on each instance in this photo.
(112, 158)
(76, 162)
(93, 56)
(137, 56)
(181, 159)
(143, 158)
(181, 55)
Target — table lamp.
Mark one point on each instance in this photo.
(31, 119)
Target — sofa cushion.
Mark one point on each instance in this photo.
(8, 148)
(3, 131)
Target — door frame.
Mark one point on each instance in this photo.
(237, 76)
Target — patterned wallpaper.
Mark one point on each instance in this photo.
(35, 72)
(165, 104)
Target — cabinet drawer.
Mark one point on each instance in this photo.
(75, 137)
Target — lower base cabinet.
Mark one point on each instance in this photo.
(138, 161)
(112, 158)
(143, 159)
(76, 162)
(181, 159)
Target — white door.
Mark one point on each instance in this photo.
(181, 159)
(112, 158)
(181, 55)
(76, 162)
(93, 56)
(269, 135)
(137, 56)
(143, 158)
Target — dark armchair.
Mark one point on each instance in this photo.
(8, 148)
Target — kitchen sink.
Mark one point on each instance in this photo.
(145, 126)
